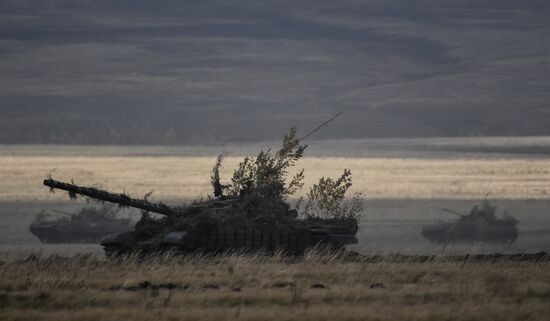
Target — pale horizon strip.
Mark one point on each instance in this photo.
(175, 178)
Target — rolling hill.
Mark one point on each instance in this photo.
(200, 72)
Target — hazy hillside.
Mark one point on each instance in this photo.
(165, 72)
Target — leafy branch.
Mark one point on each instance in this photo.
(327, 198)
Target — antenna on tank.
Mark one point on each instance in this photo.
(324, 124)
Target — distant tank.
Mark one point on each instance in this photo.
(481, 225)
(88, 225)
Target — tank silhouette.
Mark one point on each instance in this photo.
(480, 225)
(216, 225)
(248, 214)
(88, 225)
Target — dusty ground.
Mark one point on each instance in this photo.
(255, 288)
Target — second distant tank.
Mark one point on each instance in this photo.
(88, 225)
(480, 225)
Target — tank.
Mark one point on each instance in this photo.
(216, 225)
(480, 225)
(88, 225)
(248, 213)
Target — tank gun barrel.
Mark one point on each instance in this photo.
(121, 199)
(453, 212)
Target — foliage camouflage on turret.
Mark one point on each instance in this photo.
(262, 184)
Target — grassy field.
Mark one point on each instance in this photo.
(179, 177)
(259, 288)
(403, 194)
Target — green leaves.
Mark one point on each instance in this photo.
(328, 199)
(267, 174)
(261, 183)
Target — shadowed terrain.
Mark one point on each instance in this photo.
(199, 72)
(391, 226)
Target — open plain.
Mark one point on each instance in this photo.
(467, 168)
(403, 192)
(406, 184)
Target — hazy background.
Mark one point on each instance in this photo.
(210, 72)
(406, 182)
(419, 83)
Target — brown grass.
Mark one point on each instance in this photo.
(260, 288)
(181, 177)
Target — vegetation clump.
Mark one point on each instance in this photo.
(327, 199)
(264, 185)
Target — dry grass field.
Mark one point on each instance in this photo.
(179, 177)
(403, 193)
(259, 288)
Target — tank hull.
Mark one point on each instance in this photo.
(464, 233)
(287, 240)
(77, 232)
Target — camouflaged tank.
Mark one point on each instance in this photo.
(216, 225)
(481, 225)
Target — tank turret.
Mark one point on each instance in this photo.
(480, 225)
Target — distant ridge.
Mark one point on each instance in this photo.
(210, 72)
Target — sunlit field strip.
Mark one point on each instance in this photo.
(189, 177)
